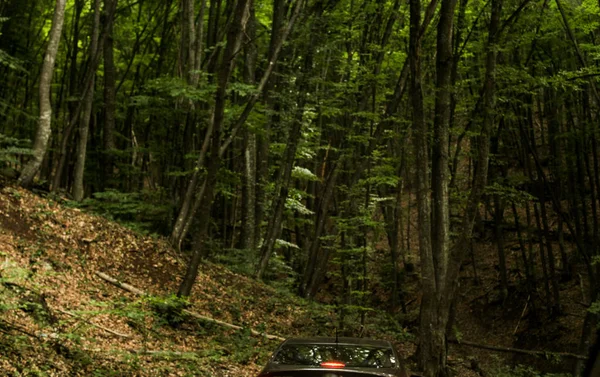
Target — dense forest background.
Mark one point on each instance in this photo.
(335, 146)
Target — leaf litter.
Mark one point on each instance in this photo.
(50, 253)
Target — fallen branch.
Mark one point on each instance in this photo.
(16, 327)
(120, 284)
(165, 354)
(94, 324)
(518, 350)
(201, 317)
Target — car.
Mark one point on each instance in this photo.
(334, 357)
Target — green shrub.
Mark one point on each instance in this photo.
(10, 149)
(145, 211)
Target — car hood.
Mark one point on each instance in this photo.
(304, 371)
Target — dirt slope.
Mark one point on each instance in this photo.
(70, 322)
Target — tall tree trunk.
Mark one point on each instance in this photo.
(527, 264)
(428, 315)
(45, 122)
(550, 254)
(195, 189)
(499, 220)
(315, 262)
(274, 228)
(74, 108)
(88, 100)
(234, 37)
(434, 255)
(248, 237)
(110, 105)
(188, 41)
(435, 311)
(440, 143)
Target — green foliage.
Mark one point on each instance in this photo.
(595, 306)
(279, 272)
(11, 147)
(296, 205)
(240, 261)
(509, 193)
(173, 87)
(10, 272)
(304, 174)
(169, 309)
(11, 62)
(8, 60)
(145, 211)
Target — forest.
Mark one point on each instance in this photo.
(337, 147)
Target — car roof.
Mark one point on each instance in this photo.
(340, 340)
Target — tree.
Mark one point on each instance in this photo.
(88, 102)
(234, 37)
(110, 92)
(45, 121)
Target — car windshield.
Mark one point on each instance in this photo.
(351, 355)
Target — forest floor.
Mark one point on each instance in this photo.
(58, 317)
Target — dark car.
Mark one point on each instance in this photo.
(334, 357)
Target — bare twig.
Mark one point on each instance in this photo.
(164, 354)
(94, 324)
(522, 314)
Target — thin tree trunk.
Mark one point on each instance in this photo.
(551, 259)
(44, 130)
(110, 101)
(234, 37)
(275, 222)
(311, 277)
(428, 317)
(435, 362)
(249, 192)
(84, 124)
(434, 255)
(248, 236)
(499, 218)
(439, 152)
(556, 163)
(193, 198)
(543, 256)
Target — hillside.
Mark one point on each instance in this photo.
(68, 321)
(59, 317)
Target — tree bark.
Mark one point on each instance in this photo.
(234, 37)
(110, 102)
(88, 101)
(311, 277)
(428, 315)
(438, 298)
(434, 232)
(498, 226)
(273, 230)
(276, 220)
(193, 195)
(45, 122)
(248, 237)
